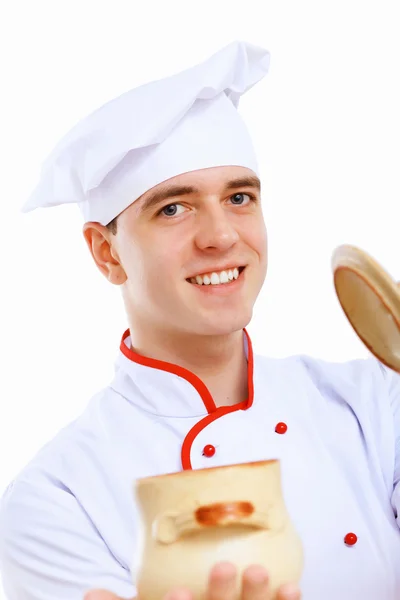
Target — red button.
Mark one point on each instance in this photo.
(281, 428)
(209, 450)
(350, 539)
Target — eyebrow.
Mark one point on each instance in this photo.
(174, 191)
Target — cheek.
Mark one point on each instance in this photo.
(152, 271)
(257, 239)
(135, 261)
(169, 255)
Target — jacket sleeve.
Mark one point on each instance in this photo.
(49, 548)
(393, 381)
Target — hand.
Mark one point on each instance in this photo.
(222, 586)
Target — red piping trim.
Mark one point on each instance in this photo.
(200, 425)
(213, 412)
(219, 412)
(170, 368)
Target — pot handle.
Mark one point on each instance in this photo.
(172, 525)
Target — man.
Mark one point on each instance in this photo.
(167, 182)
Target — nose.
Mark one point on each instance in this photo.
(215, 230)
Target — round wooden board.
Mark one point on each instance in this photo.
(370, 299)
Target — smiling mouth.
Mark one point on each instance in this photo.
(217, 277)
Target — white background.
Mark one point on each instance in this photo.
(326, 125)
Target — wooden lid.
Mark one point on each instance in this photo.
(370, 299)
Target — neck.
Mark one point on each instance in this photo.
(219, 361)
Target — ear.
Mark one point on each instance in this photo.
(101, 243)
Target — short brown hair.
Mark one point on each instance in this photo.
(112, 226)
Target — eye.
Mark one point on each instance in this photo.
(240, 199)
(171, 210)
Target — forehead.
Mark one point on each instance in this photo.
(213, 180)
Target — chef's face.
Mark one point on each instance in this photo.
(191, 253)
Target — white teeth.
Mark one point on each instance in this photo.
(216, 278)
(224, 277)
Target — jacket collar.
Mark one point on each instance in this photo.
(166, 389)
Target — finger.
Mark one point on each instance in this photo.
(255, 583)
(288, 592)
(101, 595)
(222, 582)
(179, 594)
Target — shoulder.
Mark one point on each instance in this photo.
(88, 435)
(364, 384)
(363, 380)
(57, 470)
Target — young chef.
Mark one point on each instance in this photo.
(167, 182)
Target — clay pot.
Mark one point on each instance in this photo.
(370, 299)
(193, 519)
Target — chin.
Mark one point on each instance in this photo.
(226, 324)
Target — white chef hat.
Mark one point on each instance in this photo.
(175, 125)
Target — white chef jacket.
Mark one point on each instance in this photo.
(68, 523)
